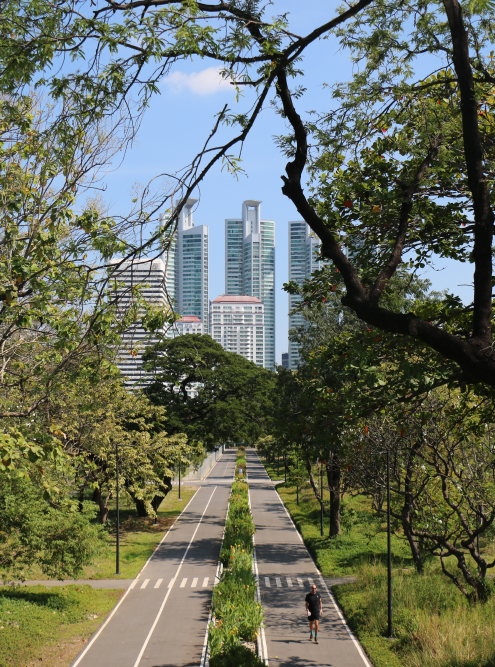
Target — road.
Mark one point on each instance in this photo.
(286, 571)
(161, 620)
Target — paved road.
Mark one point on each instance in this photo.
(285, 573)
(161, 620)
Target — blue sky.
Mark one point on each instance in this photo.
(178, 122)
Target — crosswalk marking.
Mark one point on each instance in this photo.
(145, 583)
(194, 582)
(171, 583)
(300, 582)
(278, 582)
(310, 582)
(157, 585)
(205, 581)
(183, 582)
(267, 582)
(289, 582)
(133, 583)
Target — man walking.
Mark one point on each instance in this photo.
(314, 609)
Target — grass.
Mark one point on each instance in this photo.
(49, 625)
(138, 539)
(433, 623)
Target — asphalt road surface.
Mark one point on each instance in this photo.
(161, 620)
(286, 571)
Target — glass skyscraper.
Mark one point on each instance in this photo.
(186, 267)
(250, 265)
(303, 260)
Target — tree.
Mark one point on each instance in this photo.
(211, 395)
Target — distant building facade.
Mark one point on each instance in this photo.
(303, 260)
(149, 275)
(237, 323)
(250, 266)
(285, 360)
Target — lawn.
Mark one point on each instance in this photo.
(434, 625)
(49, 625)
(138, 538)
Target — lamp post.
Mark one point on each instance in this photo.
(179, 481)
(285, 468)
(321, 491)
(389, 550)
(117, 553)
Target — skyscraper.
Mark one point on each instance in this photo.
(303, 260)
(186, 267)
(250, 265)
(148, 275)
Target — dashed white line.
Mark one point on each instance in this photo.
(152, 629)
(158, 583)
(171, 582)
(145, 583)
(194, 582)
(289, 582)
(267, 582)
(310, 581)
(300, 582)
(183, 582)
(278, 582)
(205, 582)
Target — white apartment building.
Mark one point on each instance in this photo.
(303, 260)
(188, 324)
(237, 323)
(250, 265)
(186, 265)
(149, 275)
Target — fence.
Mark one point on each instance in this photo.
(196, 474)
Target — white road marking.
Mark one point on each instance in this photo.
(160, 611)
(289, 582)
(311, 582)
(194, 582)
(158, 583)
(278, 582)
(205, 581)
(145, 583)
(267, 582)
(300, 582)
(183, 582)
(171, 583)
(132, 585)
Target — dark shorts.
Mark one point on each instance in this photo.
(314, 617)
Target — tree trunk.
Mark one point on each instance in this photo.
(312, 480)
(102, 504)
(140, 508)
(334, 477)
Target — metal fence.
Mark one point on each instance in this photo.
(195, 474)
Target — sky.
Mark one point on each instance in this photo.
(181, 117)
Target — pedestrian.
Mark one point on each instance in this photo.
(314, 609)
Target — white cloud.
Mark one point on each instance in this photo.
(206, 82)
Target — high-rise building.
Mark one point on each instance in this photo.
(237, 323)
(303, 260)
(186, 266)
(250, 265)
(285, 360)
(149, 276)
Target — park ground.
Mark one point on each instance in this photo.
(44, 625)
(434, 624)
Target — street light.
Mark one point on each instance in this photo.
(389, 548)
(117, 554)
(179, 481)
(321, 491)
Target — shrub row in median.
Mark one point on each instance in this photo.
(236, 613)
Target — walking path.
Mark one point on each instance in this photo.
(286, 571)
(161, 619)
